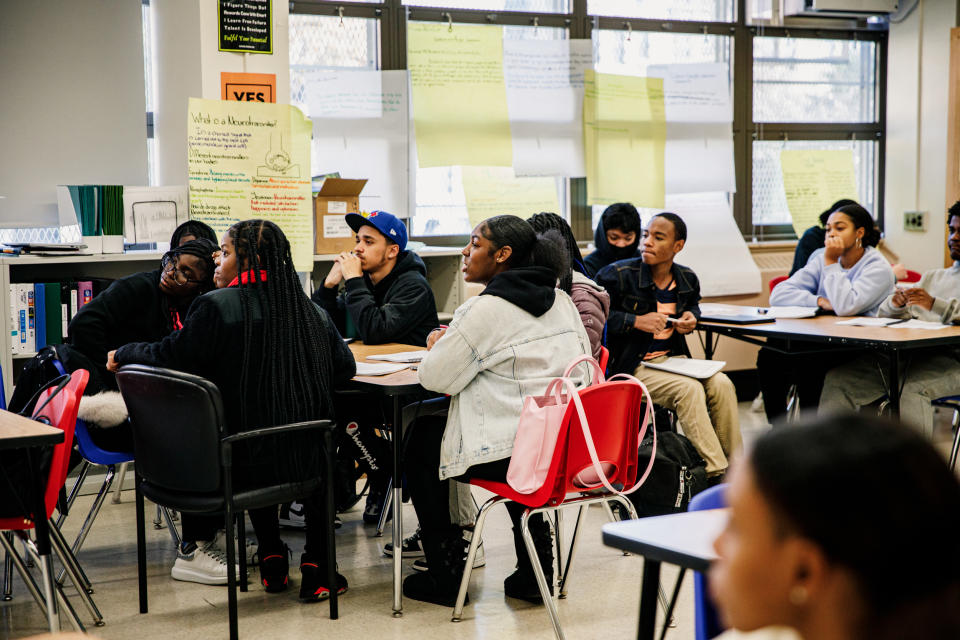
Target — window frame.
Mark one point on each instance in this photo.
(393, 16)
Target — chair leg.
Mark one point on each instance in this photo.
(471, 554)
(242, 549)
(611, 517)
(72, 567)
(141, 549)
(558, 537)
(91, 516)
(231, 573)
(387, 503)
(7, 571)
(84, 470)
(6, 541)
(168, 515)
(57, 589)
(158, 518)
(956, 439)
(564, 574)
(329, 515)
(119, 487)
(538, 572)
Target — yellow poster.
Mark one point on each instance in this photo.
(493, 191)
(252, 160)
(459, 96)
(813, 180)
(625, 133)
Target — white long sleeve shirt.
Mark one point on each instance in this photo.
(856, 291)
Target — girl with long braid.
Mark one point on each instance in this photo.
(276, 357)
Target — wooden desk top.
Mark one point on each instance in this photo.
(17, 432)
(684, 539)
(826, 329)
(393, 382)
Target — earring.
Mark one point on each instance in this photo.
(798, 595)
(858, 243)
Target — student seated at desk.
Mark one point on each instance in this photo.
(501, 346)
(271, 368)
(616, 237)
(387, 297)
(841, 529)
(814, 237)
(848, 277)
(654, 304)
(592, 301)
(929, 374)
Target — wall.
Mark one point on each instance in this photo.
(923, 38)
(189, 65)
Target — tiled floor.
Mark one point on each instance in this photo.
(603, 594)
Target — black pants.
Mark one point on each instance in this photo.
(779, 371)
(266, 526)
(430, 495)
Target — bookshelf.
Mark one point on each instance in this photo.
(443, 273)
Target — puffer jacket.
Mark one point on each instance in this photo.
(593, 303)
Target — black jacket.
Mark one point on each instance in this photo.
(606, 253)
(632, 293)
(812, 239)
(210, 345)
(132, 309)
(399, 308)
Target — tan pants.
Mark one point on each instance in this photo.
(706, 409)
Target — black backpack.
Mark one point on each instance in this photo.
(678, 474)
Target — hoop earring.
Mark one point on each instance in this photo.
(859, 245)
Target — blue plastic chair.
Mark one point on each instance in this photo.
(706, 620)
(952, 402)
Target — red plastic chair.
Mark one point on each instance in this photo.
(613, 412)
(775, 281)
(604, 358)
(60, 412)
(912, 276)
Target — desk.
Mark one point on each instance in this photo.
(393, 386)
(684, 539)
(17, 432)
(825, 330)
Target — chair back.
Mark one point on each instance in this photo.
(713, 498)
(775, 281)
(706, 621)
(613, 416)
(61, 412)
(177, 423)
(912, 276)
(604, 358)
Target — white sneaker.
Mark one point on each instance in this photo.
(291, 515)
(206, 565)
(757, 405)
(250, 547)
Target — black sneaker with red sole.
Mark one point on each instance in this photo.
(313, 581)
(275, 570)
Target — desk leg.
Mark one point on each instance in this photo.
(648, 599)
(43, 540)
(397, 509)
(893, 379)
(708, 344)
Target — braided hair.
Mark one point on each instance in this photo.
(203, 249)
(199, 230)
(294, 383)
(544, 221)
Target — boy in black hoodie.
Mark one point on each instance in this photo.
(616, 238)
(387, 297)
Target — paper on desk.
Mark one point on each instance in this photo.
(690, 367)
(375, 369)
(922, 324)
(793, 312)
(868, 322)
(404, 356)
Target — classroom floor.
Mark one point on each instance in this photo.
(603, 599)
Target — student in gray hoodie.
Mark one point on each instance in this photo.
(931, 374)
(848, 277)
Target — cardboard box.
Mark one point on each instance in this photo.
(336, 198)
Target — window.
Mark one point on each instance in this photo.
(802, 87)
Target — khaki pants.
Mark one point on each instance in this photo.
(706, 409)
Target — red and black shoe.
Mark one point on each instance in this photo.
(274, 571)
(313, 581)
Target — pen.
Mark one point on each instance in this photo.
(901, 321)
(762, 310)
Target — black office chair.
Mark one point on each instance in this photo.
(184, 457)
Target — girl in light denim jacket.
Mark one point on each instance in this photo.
(501, 346)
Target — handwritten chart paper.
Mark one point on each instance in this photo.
(545, 99)
(624, 131)
(699, 151)
(813, 180)
(459, 96)
(251, 160)
(492, 191)
(360, 129)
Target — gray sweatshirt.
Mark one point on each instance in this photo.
(856, 291)
(944, 286)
